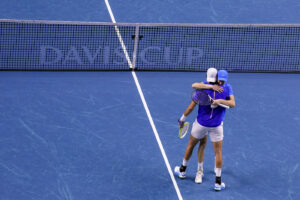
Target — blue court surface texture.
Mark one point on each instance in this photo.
(85, 135)
(156, 11)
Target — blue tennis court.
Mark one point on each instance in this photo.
(85, 135)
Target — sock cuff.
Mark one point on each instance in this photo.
(185, 162)
(218, 172)
(200, 166)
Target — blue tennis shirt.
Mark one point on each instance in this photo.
(213, 117)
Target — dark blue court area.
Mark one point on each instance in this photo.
(156, 11)
(85, 135)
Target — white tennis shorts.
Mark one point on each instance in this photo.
(215, 133)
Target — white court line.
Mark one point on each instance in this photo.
(145, 104)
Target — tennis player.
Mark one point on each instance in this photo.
(211, 83)
(209, 122)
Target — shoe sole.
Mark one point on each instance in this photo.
(198, 182)
(181, 177)
(201, 180)
(218, 189)
(177, 173)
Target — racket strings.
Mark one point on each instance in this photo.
(201, 98)
(184, 130)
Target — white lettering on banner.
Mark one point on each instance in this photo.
(73, 55)
(193, 53)
(47, 49)
(119, 52)
(106, 55)
(167, 56)
(50, 55)
(91, 58)
(143, 54)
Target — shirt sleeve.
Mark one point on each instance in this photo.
(230, 91)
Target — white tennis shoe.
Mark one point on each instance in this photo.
(219, 187)
(199, 175)
(181, 175)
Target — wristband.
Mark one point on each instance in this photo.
(182, 118)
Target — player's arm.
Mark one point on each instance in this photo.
(201, 86)
(187, 111)
(230, 102)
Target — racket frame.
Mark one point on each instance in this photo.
(211, 100)
(183, 134)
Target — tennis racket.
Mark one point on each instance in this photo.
(184, 130)
(203, 98)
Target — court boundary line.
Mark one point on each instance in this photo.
(145, 103)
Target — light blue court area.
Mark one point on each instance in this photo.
(60, 10)
(207, 11)
(85, 135)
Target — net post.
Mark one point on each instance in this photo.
(136, 41)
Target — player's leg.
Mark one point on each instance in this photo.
(216, 136)
(190, 147)
(180, 171)
(217, 146)
(197, 134)
(201, 148)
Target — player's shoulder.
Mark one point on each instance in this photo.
(228, 88)
(227, 85)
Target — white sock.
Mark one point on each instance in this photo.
(218, 172)
(185, 162)
(200, 166)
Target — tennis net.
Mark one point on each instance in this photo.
(55, 45)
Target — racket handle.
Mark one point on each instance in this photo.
(224, 106)
(180, 123)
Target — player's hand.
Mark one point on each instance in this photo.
(180, 123)
(213, 106)
(216, 102)
(217, 88)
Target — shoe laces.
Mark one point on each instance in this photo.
(199, 172)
